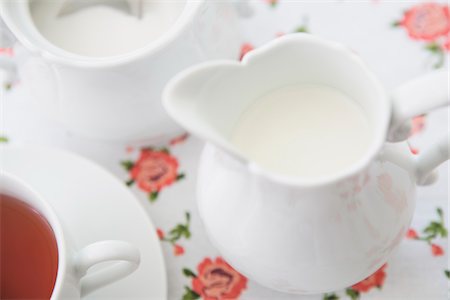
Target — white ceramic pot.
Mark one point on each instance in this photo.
(73, 265)
(297, 235)
(119, 98)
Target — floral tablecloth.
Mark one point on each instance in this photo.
(398, 39)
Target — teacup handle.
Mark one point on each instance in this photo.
(126, 256)
(416, 98)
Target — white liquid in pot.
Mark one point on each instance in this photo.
(102, 30)
(306, 131)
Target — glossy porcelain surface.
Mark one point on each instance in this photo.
(293, 234)
(119, 98)
(96, 219)
(304, 239)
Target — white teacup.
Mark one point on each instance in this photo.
(119, 97)
(73, 265)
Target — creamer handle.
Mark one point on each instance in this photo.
(416, 98)
(429, 160)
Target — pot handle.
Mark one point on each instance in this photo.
(416, 98)
(125, 255)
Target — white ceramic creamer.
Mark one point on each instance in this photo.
(114, 93)
(296, 229)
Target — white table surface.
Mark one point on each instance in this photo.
(412, 273)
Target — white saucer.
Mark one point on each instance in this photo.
(93, 206)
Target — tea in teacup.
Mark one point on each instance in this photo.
(28, 252)
(303, 130)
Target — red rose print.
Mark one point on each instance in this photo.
(413, 150)
(129, 149)
(374, 280)
(178, 250)
(7, 51)
(435, 229)
(427, 21)
(217, 280)
(446, 45)
(154, 170)
(411, 234)
(271, 2)
(173, 236)
(179, 139)
(396, 199)
(418, 124)
(245, 48)
(437, 250)
(160, 233)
